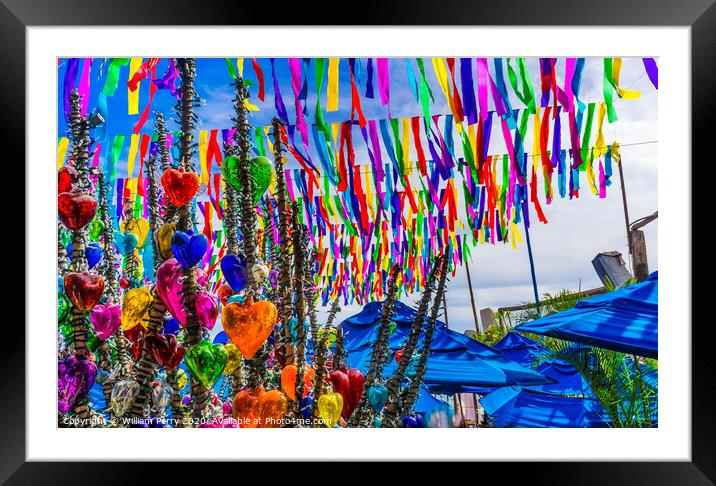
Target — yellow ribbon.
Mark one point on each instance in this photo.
(132, 157)
(203, 145)
(133, 96)
(332, 104)
(599, 148)
(441, 73)
(627, 94)
(62, 151)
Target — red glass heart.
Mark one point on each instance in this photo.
(66, 176)
(179, 186)
(225, 291)
(84, 289)
(134, 333)
(137, 348)
(76, 210)
(165, 349)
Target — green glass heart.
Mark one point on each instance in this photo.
(93, 343)
(66, 330)
(330, 337)
(63, 307)
(261, 170)
(96, 229)
(391, 329)
(206, 361)
(65, 238)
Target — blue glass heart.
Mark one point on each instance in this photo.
(125, 243)
(377, 396)
(235, 271)
(221, 338)
(307, 406)
(171, 326)
(189, 249)
(409, 422)
(93, 253)
(236, 298)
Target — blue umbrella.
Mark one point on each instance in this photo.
(625, 320)
(519, 348)
(520, 407)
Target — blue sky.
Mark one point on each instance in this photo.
(563, 249)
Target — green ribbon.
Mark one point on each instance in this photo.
(527, 95)
(232, 68)
(585, 138)
(114, 156)
(609, 87)
(112, 81)
(398, 148)
(259, 137)
(425, 91)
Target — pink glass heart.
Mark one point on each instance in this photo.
(169, 288)
(207, 309)
(106, 319)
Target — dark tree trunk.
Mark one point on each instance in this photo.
(392, 409)
(282, 261)
(411, 393)
(363, 413)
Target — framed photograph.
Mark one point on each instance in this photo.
(449, 221)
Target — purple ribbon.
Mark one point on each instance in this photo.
(652, 70)
(168, 80)
(69, 84)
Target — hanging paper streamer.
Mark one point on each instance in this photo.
(408, 187)
(652, 71)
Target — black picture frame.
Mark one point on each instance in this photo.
(16, 15)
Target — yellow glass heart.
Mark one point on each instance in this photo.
(329, 408)
(234, 359)
(134, 307)
(164, 240)
(138, 226)
(181, 379)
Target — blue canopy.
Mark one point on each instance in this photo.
(567, 380)
(519, 348)
(520, 407)
(625, 320)
(435, 412)
(456, 363)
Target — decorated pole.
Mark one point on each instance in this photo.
(76, 209)
(80, 148)
(282, 262)
(145, 369)
(390, 416)
(320, 347)
(339, 351)
(411, 393)
(231, 195)
(193, 328)
(310, 290)
(363, 413)
(247, 217)
(300, 241)
(230, 221)
(111, 289)
(167, 213)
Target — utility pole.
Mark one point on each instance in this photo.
(532, 262)
(626, 210)
(472, 297)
